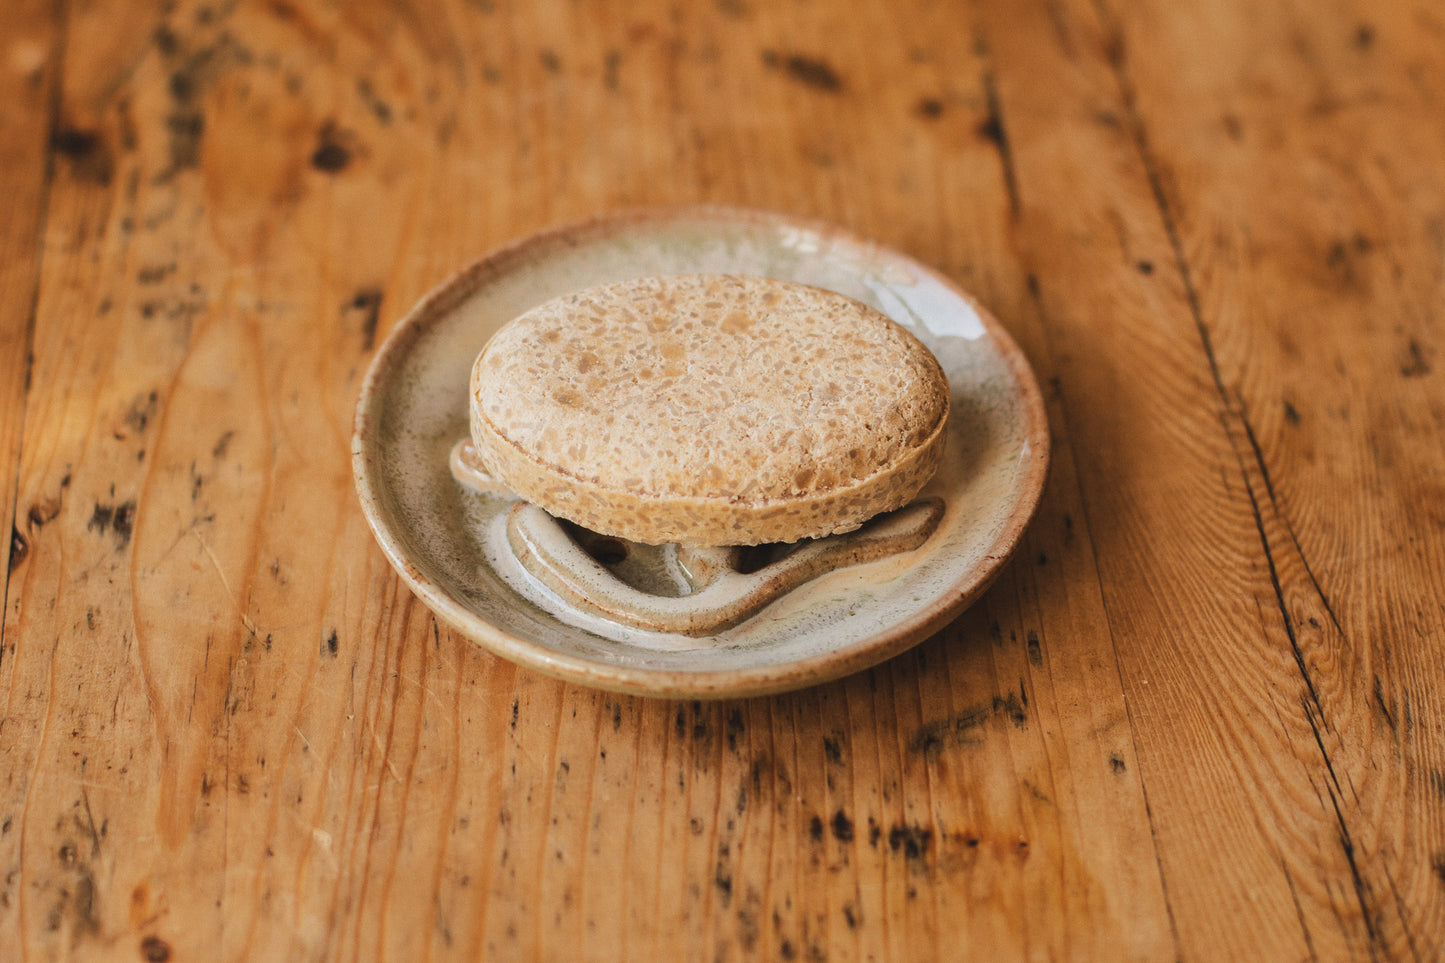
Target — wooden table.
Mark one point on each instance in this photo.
(1199, 716)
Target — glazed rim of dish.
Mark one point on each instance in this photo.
(733, 682)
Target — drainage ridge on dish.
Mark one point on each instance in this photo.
(685, 589)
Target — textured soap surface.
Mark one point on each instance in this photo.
(711, 409)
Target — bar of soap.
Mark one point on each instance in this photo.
(709, 410)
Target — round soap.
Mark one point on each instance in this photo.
(709, 409)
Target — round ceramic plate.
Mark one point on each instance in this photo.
(443, 538)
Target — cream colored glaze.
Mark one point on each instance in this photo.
(677, 589)
(719, 593)
(467, 469)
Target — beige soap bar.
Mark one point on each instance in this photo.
(709, 409)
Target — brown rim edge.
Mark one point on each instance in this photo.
(666, 683)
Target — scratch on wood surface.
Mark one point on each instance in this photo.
(216, 564)
(385, 756)
(422, 686)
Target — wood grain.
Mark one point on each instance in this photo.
(28, 83)
(1198, 716)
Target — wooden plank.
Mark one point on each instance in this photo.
(1287, 737)
(1319, 307)
(28, 80)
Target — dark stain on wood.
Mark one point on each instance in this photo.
(735, 727)
(367, 303)
(331, 645)
(153, 949)
(815, 828)
(141, 410)
(1144, 267)
(611, 69)
(87, 922)
(991, 129)
(154, 273)
(218, 450)
(1012, 708)
(929, 108)
(1364, 37)
(832, 750)
(175, 308)
(185, 127)
(842, 827)
(755, 774)
(379, 108)
(190, 75)
(89, 157)
(516, 709)
(1291, 414)
(812, 72)
(748, 921)
(119, 519)
(1036, 654)
(1117, 764)
(1343, 255)
(961, 730)
(723, 880)
(957, 731)
(124, 521)
(911, 840)
(550, 61)
(1416, 364)
(165, 40)
(333, 149)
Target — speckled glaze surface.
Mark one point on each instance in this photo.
(449, 543)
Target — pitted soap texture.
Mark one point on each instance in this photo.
(711, 409)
